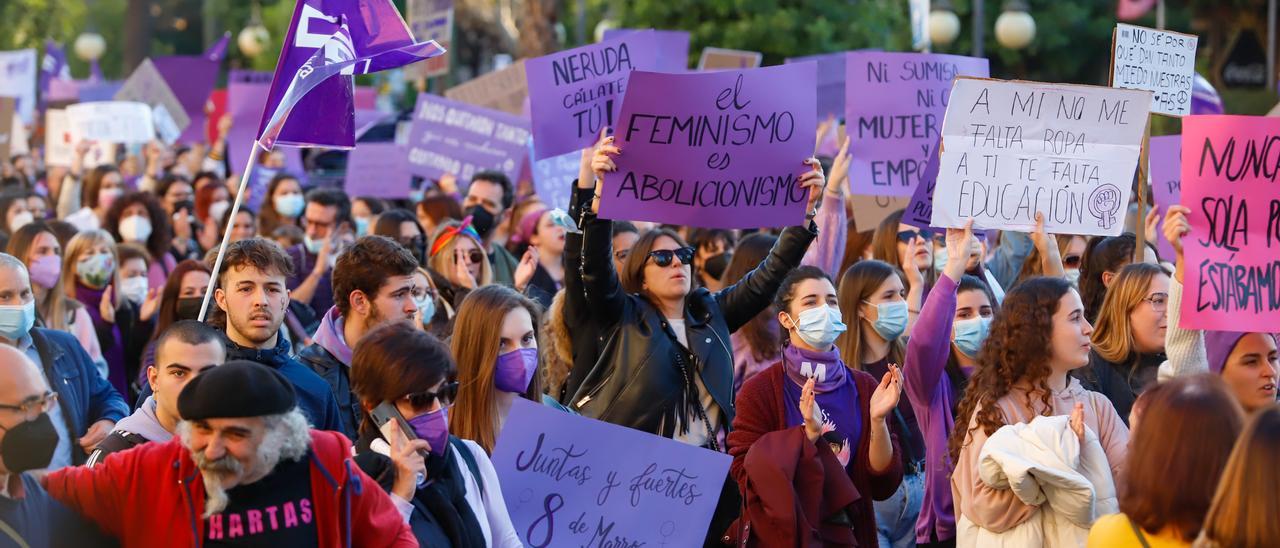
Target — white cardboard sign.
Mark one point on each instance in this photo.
(111, 121)
(1161, 62)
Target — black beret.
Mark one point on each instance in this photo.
(238, 388)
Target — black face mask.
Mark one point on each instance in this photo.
(30, 445)
(188, 308)
(481, 220)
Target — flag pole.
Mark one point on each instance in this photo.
(226, 232)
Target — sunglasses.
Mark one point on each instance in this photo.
(663, 257)
(1071, 261)
(905, 236)
(474, 256)
(423, 400)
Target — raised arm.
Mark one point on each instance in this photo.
(602, 291)
(1184, 347)
(827, 252)
(927, 354)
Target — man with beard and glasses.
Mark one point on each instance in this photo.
(245, 470)
(488, 203)
(186, 349)
(373, 284)
(251, 293)
(28, 517)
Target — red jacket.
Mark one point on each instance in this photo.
(780, 509)
(152, 495)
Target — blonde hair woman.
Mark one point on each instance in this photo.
(1128, 340)
(456, 256)
(493, 366)
(92, 275)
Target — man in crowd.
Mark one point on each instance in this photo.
(265, 479)
(251, 292)
(183, 351)
(488, 202)
(328, 225)
(27, 442)
(86, 407)
(373, 284)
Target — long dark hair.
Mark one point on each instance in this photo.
(858, 284)
(168, 313)
(1018, 349)
(161, 237)
(632, 275)
(959, 381)
(761, 333)
(1102, 254)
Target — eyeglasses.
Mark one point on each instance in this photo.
(474, 256)
(662, 257)
(1159, 301)
(423, 400)
(905, 236)
(34, 406)
(1071, 261)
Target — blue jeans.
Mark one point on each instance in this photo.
(896, 517)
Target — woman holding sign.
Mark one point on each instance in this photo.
(819, 425)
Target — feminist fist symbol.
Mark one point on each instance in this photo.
(1104, 202)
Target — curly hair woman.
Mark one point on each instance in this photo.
(1040, 335)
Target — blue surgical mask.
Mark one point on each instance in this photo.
(362, 226)
(428, 308)
(819, 326)
(16, 320)
(289, 205)
(313, 246)
(416, 196)
(1073, 276)
(969, 335)
(940, 259)
(891, 319)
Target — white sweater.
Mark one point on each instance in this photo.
(1184, 348)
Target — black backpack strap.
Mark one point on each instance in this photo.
(469, 458)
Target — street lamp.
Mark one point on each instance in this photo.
(90, 46)
(254, 37)
(944, 24)
(1015, 28)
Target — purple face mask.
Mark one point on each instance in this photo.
(433, 427)
(515, 370)
(45, 270)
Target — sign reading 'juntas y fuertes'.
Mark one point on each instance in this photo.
(714, 149)
(574, 94)
(1012, 149)
(1231, 184)
(1161, 62)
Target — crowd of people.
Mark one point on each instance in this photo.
(874, 385)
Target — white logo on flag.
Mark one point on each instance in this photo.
(304, 38)
(808, 370)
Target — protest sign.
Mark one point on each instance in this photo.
(146, 85)
(1158, 61)
(1012, 149)
(18, 75)
(166, 128)
(573, 94)
(919, 211)
(673, 47)
(504, 90)
(1165, 171)
(831, 75)
(868, 210)
(1233, 250)
(431, 20)
(8, 111)
(453, 137)
(553, 177)
(91, 91)
(59, 149)
(111, 122)
(568, 480)
(894, 105)
(18, 138)
(191, 78)
(380, 170)
(729, 59)
(714, 149)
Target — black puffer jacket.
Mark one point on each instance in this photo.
(625, 369)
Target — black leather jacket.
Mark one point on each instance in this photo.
(624, 369)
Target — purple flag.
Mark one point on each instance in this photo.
(454, 137)
(920, 211)
(575, 93)
(218, 50)
(718, 149)
(192, 78)
(52, 67)
(374, 27)
(894, 107)
(1165, 159)
(337, 57)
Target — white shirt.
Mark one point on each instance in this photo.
(697, 434)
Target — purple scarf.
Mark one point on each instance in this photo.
(837, 397)
(113, 349)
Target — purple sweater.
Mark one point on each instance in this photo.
(931, 395)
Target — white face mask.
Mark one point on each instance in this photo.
(135, 228)
(218, 209)
(1073, 276)
(134, 289)
(20, 220)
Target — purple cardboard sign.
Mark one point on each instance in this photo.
(449, 136)
(714, 149)
(894, 107)
(920, 211)
(553, 177)
(380, 170)
(673, 47)
(1165, 158)
(573, 94)
(572, 481)
(192, 78)
(831, 72)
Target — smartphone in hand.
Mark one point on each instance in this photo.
(386, 412)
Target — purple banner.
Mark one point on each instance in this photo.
(572, 481)
(920, 211)
(449, 136)
(380, 170)
(714, 149)
(894, 107)
(673, 47)
(192, 78)
(553, 178)
(831, 72)
(573, 94)
(1165, 157)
